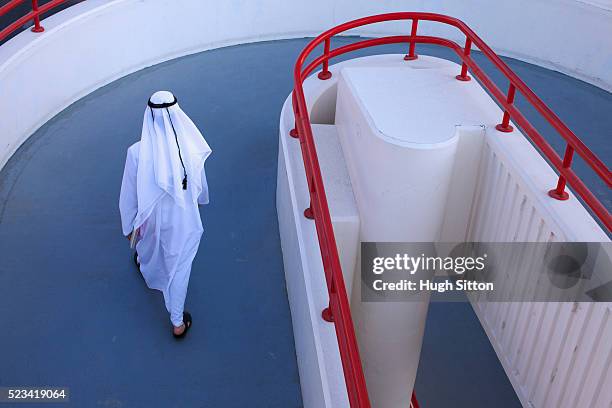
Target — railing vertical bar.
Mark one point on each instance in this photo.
(37, 27)
(34, 15)
(464, 68)
(559, 192)
(308, 212)
(327, 313)
(505, 126)
(413, 32)
(325, 73)
(294, 131)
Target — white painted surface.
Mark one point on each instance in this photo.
(555, 354)
(339, 192)
(465, 176)
(97, 41)
(320, 367)
(386, 157)
(298, 278)
(391, 99)
(400, 126)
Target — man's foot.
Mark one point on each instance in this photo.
(180, 331)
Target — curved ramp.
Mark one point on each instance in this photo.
(75, 313)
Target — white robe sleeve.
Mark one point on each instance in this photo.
(203, 198)
(128, 198)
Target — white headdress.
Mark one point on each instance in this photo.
(171, 157)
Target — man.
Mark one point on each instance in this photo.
(163, 183)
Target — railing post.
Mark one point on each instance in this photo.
(327, 313)
(296, 114)
(414, 403)
(466, 53)
(325, 74)
(411, 55)
(37, 27)
(505, 125)
(559, 192)
(294, 133)
(308, 212)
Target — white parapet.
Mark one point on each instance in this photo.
(320, 368)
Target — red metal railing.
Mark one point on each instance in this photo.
(338, 310)
(33, 15)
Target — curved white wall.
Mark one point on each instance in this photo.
(98, 41)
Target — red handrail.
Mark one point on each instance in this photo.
(33, 15)
(338, 310)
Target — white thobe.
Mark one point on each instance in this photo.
(169, 238)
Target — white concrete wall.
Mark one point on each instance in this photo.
(300, 282)
(555, 354)
(465, 174)
(340, 199)
(321, 376)
(98, 41)
(386, 161)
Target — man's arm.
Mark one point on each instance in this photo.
(204, 197)
(128, 198)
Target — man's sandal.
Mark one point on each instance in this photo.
(187, 322)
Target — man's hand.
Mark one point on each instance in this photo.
(129, 236)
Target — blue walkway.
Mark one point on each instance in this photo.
(74, 312)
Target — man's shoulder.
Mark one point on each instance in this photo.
(133, 151)
(134, 147)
